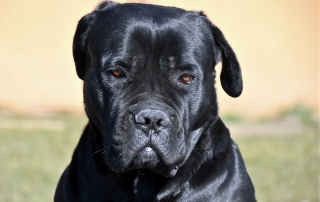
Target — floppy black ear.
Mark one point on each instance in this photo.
(230, 77)
(80, 55)
(80, 43)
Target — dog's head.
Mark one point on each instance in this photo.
(148, 75)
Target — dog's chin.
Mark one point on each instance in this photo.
(148, 159)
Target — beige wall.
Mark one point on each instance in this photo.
(276, 42)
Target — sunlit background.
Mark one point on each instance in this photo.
(274, 121)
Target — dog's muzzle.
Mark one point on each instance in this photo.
(154, 137)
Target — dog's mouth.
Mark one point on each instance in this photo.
(147, 158)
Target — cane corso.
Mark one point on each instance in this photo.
(154, 133)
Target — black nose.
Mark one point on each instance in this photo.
(150, 118)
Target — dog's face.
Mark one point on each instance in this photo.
(148, 76)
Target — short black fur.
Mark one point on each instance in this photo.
(154, 133)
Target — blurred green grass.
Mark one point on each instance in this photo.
(32, 160)
(282, 168)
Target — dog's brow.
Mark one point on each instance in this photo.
(104, 60)
(187, 67)
(107, 60)
(172, 62)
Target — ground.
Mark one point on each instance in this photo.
(281, 154)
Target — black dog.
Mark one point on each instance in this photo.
(154, 133)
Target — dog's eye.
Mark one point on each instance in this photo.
(186, 78)
(117, 72)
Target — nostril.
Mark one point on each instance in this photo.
(147, 121)
(163, 122)
(160, 122)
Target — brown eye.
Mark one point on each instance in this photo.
(186, 78)
(117, 72)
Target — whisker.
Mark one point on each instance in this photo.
(94, 148)
(101, 149)
(196, 152)
(102, 154)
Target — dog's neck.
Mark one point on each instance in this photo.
(142, 185)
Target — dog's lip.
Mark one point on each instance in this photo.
(166, 170)
(161, 167)
(146, 149)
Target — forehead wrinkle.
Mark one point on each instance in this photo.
(151, 29)
(147, 38)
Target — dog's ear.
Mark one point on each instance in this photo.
(230, 77)
(80, 54)
(80, 44)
